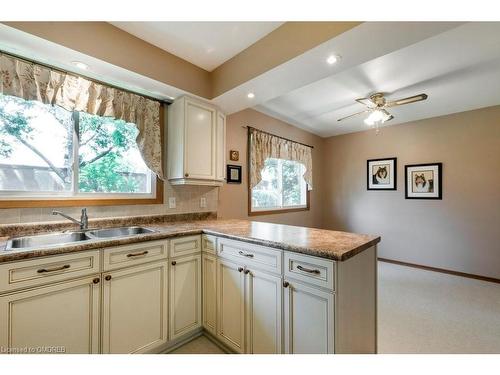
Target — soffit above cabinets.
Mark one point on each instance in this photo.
(205, 44)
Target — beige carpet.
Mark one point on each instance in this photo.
(423, 312)
(430, 312)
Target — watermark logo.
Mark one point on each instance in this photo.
(33, 350)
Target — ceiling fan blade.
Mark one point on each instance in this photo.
(354, 114)
(367, 102)
(411, 99)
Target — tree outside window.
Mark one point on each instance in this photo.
(46, 149)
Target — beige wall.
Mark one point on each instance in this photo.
(460, 232)
(233, 198)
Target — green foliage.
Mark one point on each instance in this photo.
(101, 176)
(103, 141)
(291, 183)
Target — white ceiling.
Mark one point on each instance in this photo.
(205, 44)
(459, 69)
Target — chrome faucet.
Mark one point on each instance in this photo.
(83, 222)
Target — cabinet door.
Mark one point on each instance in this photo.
(135, 308)
(231, 305)
(185, 295)
(309, 320)
(264, 296)
(199, 156)
(209, 293)
(62, 317)
(220, 147)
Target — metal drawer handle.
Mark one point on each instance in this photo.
(316, 272)
(43, 270)
(245, 254)
(137, 254)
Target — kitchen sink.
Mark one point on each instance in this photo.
(46, 240)
(68, 238)
(119, 232)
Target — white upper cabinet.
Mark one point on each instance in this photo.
(196, 143)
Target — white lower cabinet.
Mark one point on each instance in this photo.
(209, 303)
(59, 317)
(308, 319)
(249, 309)
(135, 308)
(185, 295)
(263, 312)
(231, 305)
(135, 299)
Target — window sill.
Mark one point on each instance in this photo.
(78, 202)
(277, 211)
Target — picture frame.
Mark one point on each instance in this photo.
(424, 181)
(381, 174)
(234, 155)
(233, 174)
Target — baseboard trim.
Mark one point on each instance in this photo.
(442, 270)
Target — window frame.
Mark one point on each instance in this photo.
(44, 199)
(279, 210)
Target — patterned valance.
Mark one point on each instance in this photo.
(31, 81)
(264, 145)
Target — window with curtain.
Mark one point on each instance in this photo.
(280, 174)
(66, 136)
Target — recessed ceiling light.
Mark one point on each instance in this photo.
(80, 65)
(332, 59)
(251, 95)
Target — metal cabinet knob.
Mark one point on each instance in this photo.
(286, 284)
(174, 263)
(107, 278)
(186, 175)
(96, 280)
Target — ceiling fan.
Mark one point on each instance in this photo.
(376, 107)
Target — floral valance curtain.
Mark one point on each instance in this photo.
(30, 81)
(264, 145)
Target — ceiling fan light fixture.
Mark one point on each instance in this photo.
(377, 116)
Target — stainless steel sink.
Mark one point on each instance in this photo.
(119, 232)
(46, 240)
(67, 238)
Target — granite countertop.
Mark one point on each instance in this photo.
(328, 244)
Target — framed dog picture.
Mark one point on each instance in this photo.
(381, 174)
(423, 181)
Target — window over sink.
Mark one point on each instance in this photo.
(47, 152)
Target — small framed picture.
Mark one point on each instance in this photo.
(233, 174)
(234, 155)
(423, 181)
(381, 174)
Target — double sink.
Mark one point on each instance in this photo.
(69, 238)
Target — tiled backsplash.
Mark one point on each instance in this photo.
(187, 200)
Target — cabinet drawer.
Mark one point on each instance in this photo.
(185, 246)
(34, 272)
(128, 255)
(208, 243)
(250, 255)
(312, 270)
